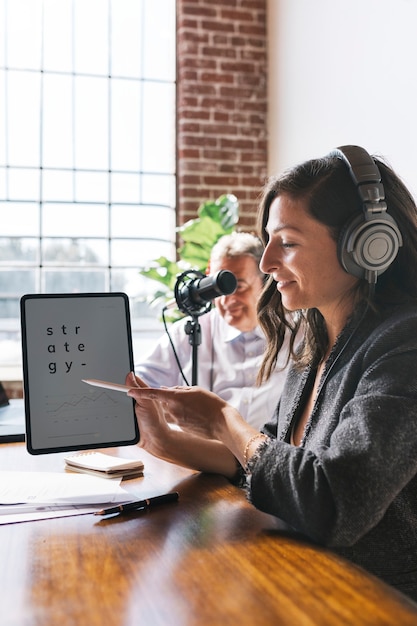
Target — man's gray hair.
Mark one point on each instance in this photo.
(237, 244)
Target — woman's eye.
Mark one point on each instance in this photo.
(286, 244)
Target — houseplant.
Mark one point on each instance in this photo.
(215, 219)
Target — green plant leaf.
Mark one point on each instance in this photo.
(224, 211)
(215, 219)
(162, 270)
(196, 255)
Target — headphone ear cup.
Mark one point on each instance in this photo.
(368, 246)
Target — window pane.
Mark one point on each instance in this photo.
(75, 251)
(3, 28)
(57, 126)
(3, 183)
(138, 253)
(91, 186)
(57, 185)
(159, 56)
(18, 251)
(3, 118)
(23, 109)
(158, 132)
(75, 219)
(125, 188)
(139, 221)
(65, 281)
(23, 184)
(24, 20)
(131, 282)
(125, 125)
(57, 38)
(125, 280)
(91, 28)
(10, 308)
(91, 123)
(19, 218)
(20, 281)
(158, 189)
(126, 37)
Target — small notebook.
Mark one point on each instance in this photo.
(105, 465)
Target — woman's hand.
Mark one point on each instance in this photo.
(196, 411)
(193, 409)
(201, 415)
(153, 426)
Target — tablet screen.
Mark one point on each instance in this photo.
(65, 338)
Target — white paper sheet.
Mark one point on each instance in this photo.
(38, 488)
(47, 512)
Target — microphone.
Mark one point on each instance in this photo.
(196, 294)
(202, 290)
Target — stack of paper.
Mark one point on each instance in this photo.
(104, 465)
(36, 495)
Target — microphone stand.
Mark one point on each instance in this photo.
(192, 327)
(193, 330)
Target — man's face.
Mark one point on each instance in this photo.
(239, 308)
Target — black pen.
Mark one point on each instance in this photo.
(141, 504)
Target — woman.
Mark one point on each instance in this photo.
(338, 461)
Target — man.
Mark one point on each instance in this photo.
(232, 344)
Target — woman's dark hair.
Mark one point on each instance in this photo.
(332, 198)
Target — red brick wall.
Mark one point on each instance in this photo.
(221, 104)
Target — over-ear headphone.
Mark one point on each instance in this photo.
(370, 240)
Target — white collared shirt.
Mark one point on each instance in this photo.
(228, 363)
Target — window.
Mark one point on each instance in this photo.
(87, 155)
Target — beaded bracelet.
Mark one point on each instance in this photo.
(251, 440)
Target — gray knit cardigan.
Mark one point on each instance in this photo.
(352, 483)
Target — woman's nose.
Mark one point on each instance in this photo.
(268, 261)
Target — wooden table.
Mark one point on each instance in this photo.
(210, 559)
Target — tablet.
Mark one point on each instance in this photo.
(65, 338)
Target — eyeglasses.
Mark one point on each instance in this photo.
(242, 286)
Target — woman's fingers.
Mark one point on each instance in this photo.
(134, 381)
(151, 393)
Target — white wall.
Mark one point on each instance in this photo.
(343, 72)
